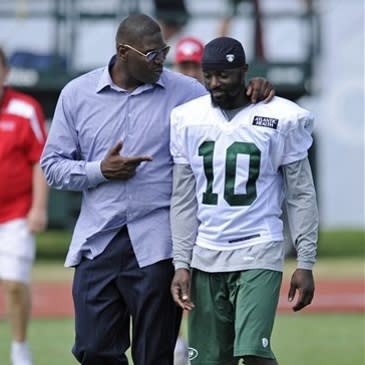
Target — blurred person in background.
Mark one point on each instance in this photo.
(23, 205)
(172, 15)
(233, 164)
(109, 138)
(188, 57)
(232, 13)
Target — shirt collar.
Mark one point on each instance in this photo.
(106, 80)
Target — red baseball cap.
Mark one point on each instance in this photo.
(189, 49)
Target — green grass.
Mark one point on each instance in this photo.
(340, 256)
(50, 340)
(53, 244)
(332, 339)
(300, 339)
(341, 243)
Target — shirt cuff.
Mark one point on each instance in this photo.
(94, 174)
(181, 265)
(305, 265)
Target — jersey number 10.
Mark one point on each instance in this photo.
(206, 150)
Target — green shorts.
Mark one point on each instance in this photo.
(233, 316)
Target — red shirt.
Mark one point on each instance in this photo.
(22, 138)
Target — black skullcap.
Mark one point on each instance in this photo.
(223, 53)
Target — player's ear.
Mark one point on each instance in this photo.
(122, 51)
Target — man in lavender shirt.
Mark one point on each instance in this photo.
(109, 139)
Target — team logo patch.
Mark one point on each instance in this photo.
(265, 122)
(192, 353)
(230, 57)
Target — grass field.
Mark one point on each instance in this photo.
(298, 339)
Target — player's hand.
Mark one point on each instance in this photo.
(180, 289)
(259, 89)
(303, 282)
(117, 167)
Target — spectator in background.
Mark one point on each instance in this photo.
(188, 57)
(23, 205)
(233, 9)
(172, 16)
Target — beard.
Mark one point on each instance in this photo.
(228, 94)
(226, 99)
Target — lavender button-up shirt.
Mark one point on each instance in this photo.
(91, 116)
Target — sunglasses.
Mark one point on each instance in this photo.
(151, 55)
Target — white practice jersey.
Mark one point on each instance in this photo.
(236, 165)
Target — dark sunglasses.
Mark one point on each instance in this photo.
(151, 55)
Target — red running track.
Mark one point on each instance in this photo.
(54, 299)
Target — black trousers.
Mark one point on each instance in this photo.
(111, 290)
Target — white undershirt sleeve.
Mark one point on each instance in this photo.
(183, 215)
(302, 211)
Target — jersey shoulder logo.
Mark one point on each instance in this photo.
(265, 122)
